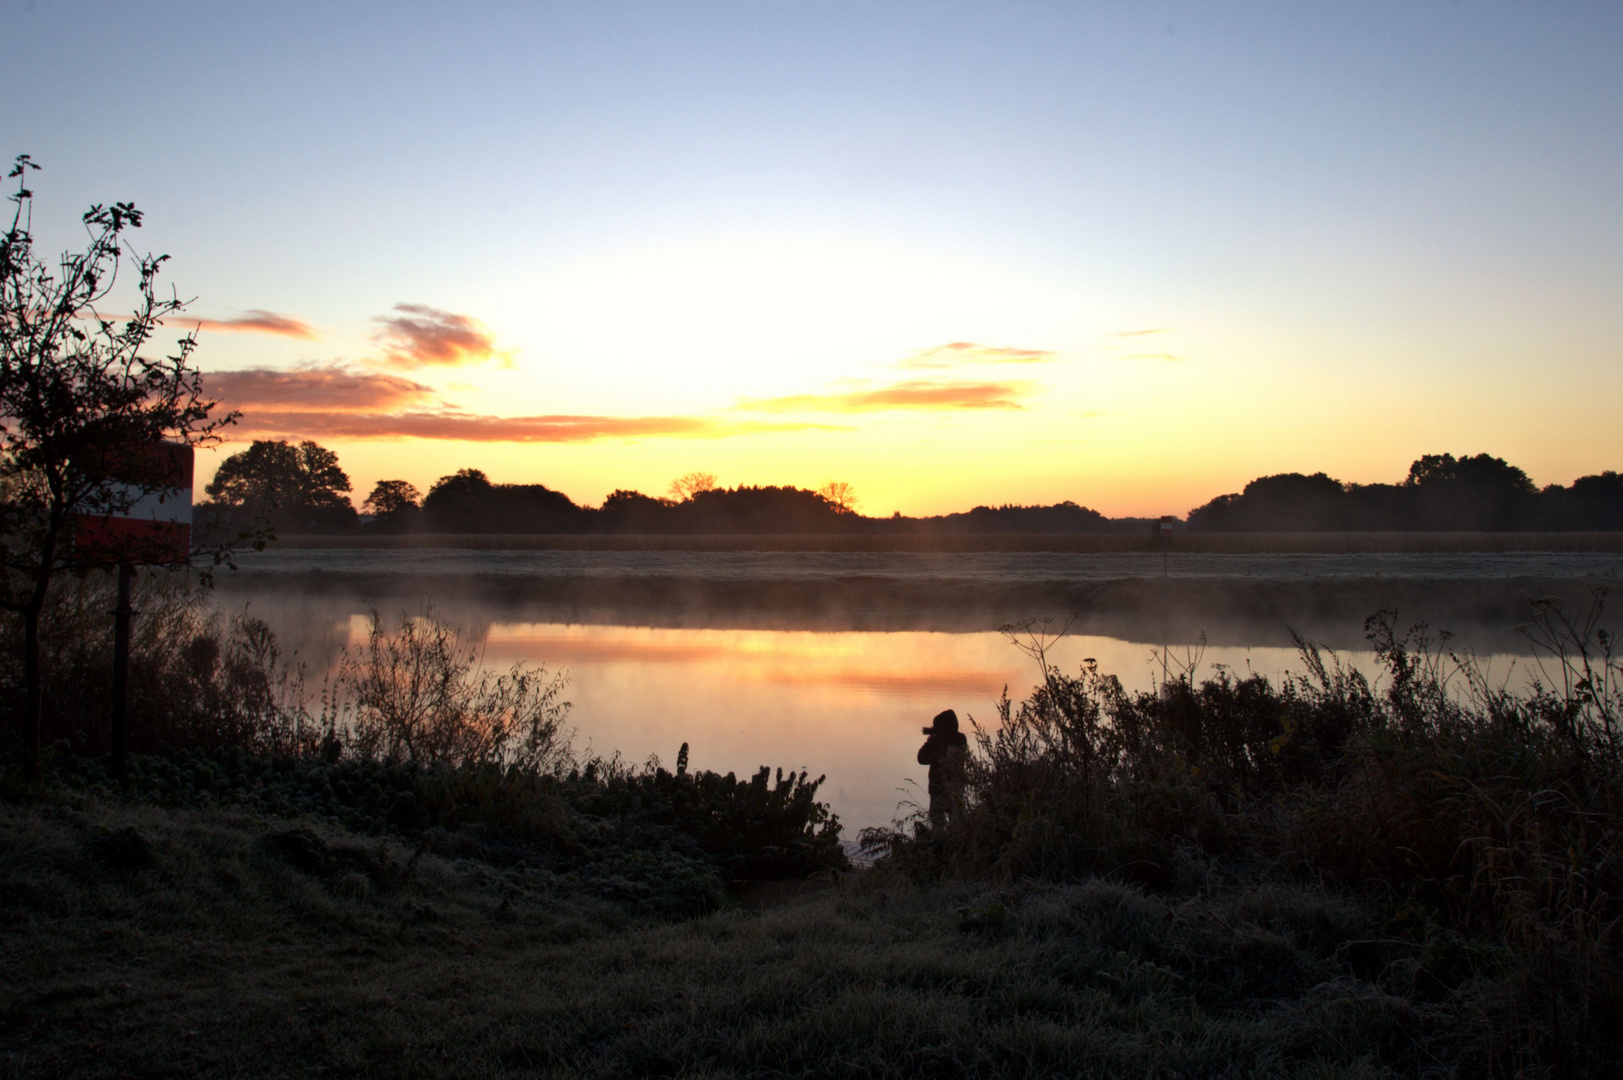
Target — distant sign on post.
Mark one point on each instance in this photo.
(1165, 526)
(150, 517)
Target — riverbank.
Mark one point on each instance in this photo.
(1326, 543)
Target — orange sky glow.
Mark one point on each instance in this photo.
(1131, 256)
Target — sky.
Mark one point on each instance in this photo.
(1127, 255)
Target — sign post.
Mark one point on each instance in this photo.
(121, 672)
(151, 524)
(1163, 532)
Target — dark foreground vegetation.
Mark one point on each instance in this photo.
(410, 737)
(216, 954)
(1480, 827)
(302, 490)
(1331, 876)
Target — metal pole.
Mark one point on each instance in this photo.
(121, 673)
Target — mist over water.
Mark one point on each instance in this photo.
(1003, 568)
(833, 662)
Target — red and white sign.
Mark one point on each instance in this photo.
(152, 522)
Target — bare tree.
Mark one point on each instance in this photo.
(685, 487)
(78, 399)
(841, 494)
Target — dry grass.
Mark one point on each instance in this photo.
(207, 952)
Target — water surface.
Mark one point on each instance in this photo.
(834, 695)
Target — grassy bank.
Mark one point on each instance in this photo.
(144, 941)
(1482, 817)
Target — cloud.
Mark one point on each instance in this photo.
(323, 387)
(420, 336)
(1156, 356)
(257, 322)
(914, 394)
(962, 353)
(1137, 333)
(336, 401)
(473, 427)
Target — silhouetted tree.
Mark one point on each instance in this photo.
(841, 494)
(1285, 502)
(1592, 502)
(1065, 517)
(466, 501)
(77, 395)
(685, 487)
(1479, 492)
(294, 488)
(1441, 492)
(633, 512)
(393, 503)
(759, 510)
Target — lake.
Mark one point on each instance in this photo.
(834, 662)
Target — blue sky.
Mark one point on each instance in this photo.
(1362, 232)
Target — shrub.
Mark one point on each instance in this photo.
(422, 695)
(198, 680)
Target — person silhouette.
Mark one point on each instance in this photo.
(945, 751)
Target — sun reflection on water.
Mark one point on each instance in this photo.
(847, 704)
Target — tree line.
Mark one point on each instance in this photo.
(1442, 493)
(299, 488)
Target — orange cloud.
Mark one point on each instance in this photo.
(258, 322)
(328, 388)
(1137, 333)
(1156, 356)
(472, 427)
(421, 336)
(915, 394)
(961, 353)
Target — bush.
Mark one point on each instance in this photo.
(420, 694)
(198, 680)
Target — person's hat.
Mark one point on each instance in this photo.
(944, 721)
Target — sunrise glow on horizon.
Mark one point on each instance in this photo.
(1127, 256)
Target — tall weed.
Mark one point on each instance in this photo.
(421, 694)
(409, 732)
(199, 679)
